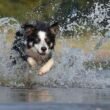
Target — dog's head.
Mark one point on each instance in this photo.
(41, 36)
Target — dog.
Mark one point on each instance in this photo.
(35, 43)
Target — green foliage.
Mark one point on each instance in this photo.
(26, 9)
(15, 8)
(43, 9)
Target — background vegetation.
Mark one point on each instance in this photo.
(26, 9)
(43, 9)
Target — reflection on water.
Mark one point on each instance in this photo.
(24, 95)
(55, 95)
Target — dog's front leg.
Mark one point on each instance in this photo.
(46, 67)
(31, 62)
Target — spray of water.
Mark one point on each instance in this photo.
(69, 69)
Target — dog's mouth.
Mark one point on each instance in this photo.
(41, 53)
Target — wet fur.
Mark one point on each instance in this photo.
(37, 35)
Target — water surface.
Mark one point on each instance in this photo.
(55, 95)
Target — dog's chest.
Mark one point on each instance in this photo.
(40, 59)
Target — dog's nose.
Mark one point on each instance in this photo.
(43, 49)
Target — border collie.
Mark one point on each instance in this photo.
(34, 42)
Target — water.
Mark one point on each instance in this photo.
(96, 21)
(54, 98)
(55, 95)
(69, 70)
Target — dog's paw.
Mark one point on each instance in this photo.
(43, 70)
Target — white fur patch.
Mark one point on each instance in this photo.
(42, 35)
(46, 67)
(30, 43)
(31, 62)
(42, 43)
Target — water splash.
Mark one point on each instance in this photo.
(8, 23)
(69, 69)
(96, 21)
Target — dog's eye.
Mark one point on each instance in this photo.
(47, 40)
(37, 40)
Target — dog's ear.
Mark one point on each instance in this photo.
(28, 28)
(54, 28)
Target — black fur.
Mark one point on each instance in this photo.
(28, 35)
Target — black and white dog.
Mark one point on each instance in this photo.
(35, 42)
